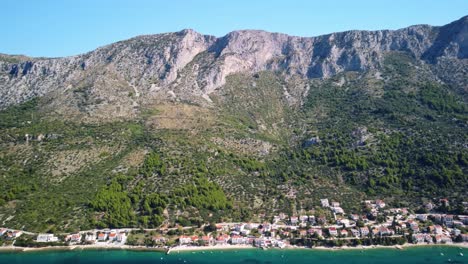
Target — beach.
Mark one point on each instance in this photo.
(216, 247)
(244, 255)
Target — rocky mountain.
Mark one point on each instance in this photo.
(187, 65)
(186, 128)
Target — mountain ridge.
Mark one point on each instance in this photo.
(155, 62)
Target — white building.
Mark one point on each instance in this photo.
(338, 210)
(421, 217)
(121, 237)
(324, 203)
(90, 238)
(42, 238)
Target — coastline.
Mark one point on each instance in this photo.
(216, 247)
(401, 247)
(80, 247)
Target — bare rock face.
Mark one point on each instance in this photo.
(188, 65)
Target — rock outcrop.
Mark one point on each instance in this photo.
(187, 64)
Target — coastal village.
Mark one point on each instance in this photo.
(379, 225)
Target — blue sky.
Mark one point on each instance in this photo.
(55, 28)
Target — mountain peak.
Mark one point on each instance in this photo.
(188, 31)
(191, 64)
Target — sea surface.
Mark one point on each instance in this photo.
(414, 255)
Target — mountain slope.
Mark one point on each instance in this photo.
(182, 127)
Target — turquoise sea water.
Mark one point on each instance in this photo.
(251, 256)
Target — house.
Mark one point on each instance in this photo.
(464, 219)
(375, 231)
(338, 210)
(238, 240)
(438, 238)
(267, 227)
(90, 237)
(428, 238)
(195, 239)
(418, 238)
(9, 235)
(303, 218)
(380, 203)
(112, 236)
(260, 242)
(121, 237)
(184, 240)
(445, 239)
(413, 225)
(364, 231)
(324, 203)
(239, 227)
(335, 204)
(75, 238)
(355, 232)
(444, 202)
(222, 239)
(429, 206)
(464, 237)
(346, 222)
(280, 244)
(344, 232)
(206, 240)
(448, 220)
(456, 232)
(312, 220)
(3, 231)
(44, 238)
(102, 237)
(384, 231)
(14, 234)
(303, 232)
(322, 219)
(431, 229)
(332, 231)
(318, 231)
(422, 217)
(438, 229)
(294, 220)
(438, 218)
(354, 217)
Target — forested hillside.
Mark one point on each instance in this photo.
(129, 141)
